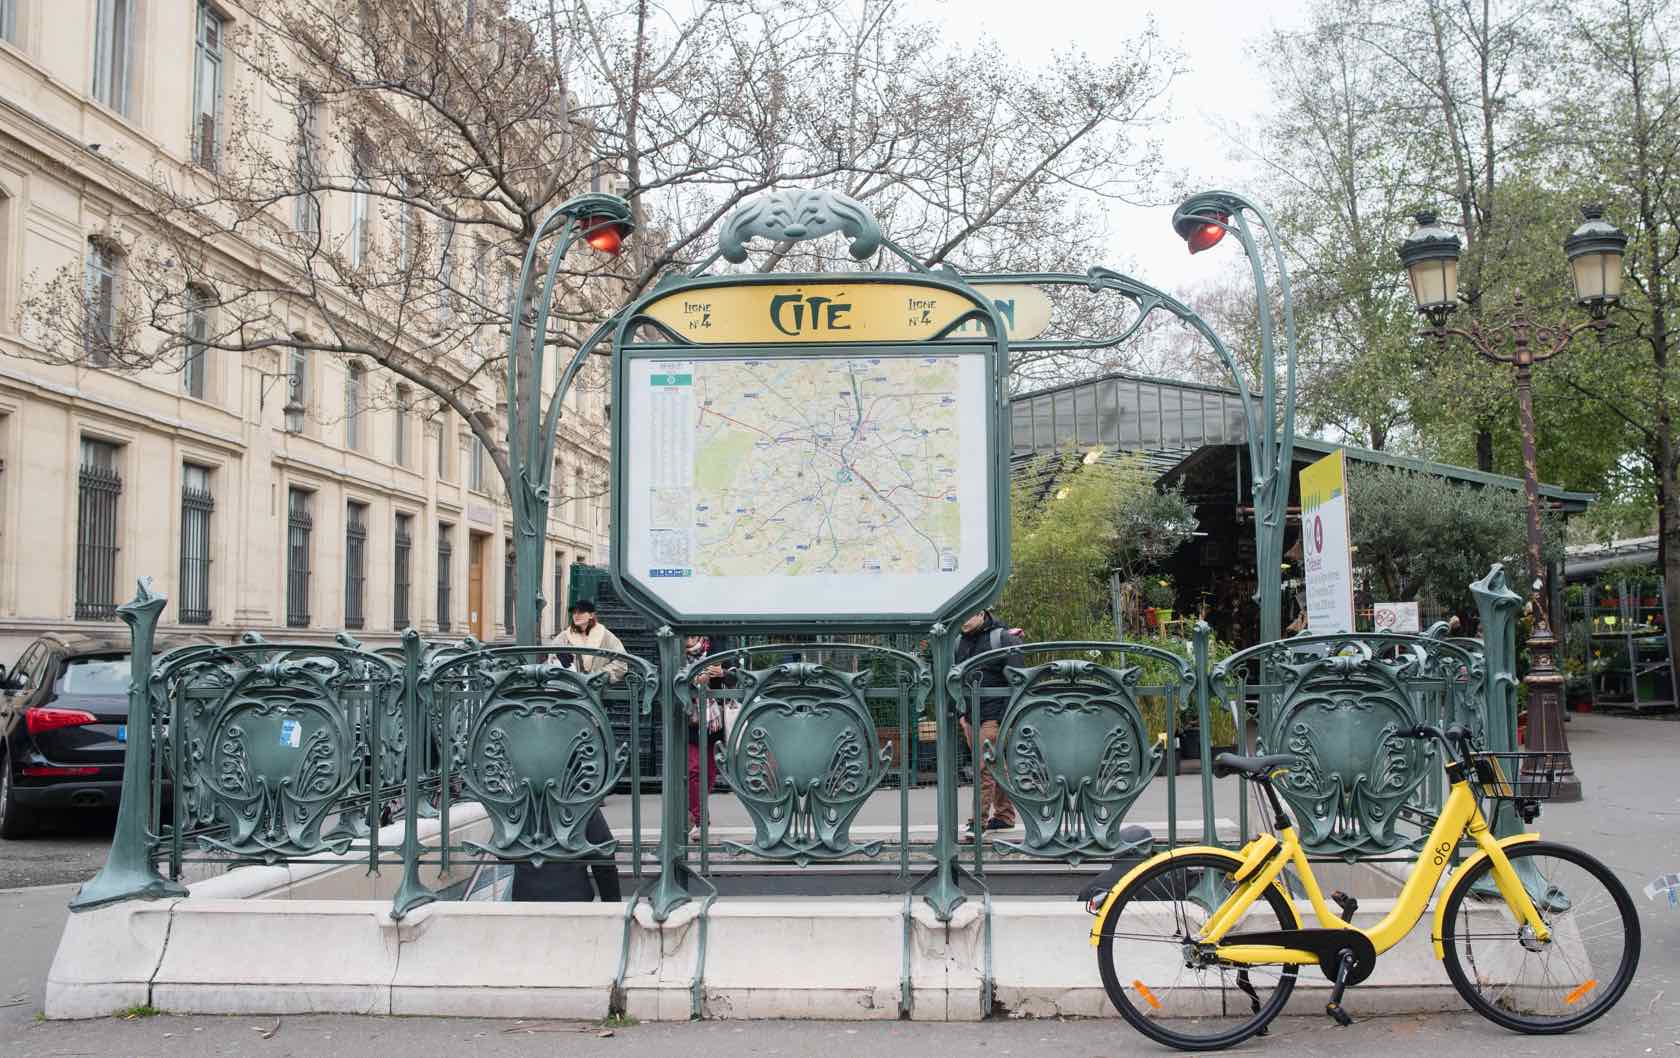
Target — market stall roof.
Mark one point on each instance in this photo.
(1191, 431)
(1584, 560)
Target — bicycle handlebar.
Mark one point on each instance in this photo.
(1455, 737)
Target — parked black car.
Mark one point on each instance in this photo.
(64, 726)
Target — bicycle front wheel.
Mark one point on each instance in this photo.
(1512, 978)
(1156, 979)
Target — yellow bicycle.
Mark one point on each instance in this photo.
(1199, 947)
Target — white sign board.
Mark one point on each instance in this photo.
(797, 485)
(1395, 617)
(1324, 545)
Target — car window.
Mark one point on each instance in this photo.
(96, 676)
(28, 665)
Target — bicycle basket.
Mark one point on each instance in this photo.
(1529, 776)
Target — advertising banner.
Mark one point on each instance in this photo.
(1324, 545)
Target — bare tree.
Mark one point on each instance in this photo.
(386, 163)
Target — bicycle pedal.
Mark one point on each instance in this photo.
(1346, 903)
(1338, 1015)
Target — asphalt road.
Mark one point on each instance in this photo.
(70, 848)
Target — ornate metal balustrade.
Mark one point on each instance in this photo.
(276, 752)
(1338, 701)
(1083, 733)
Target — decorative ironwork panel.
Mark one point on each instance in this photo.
(803, 754)
(274, 740)
(531, 741)
(1339, 703)
(1073, 751)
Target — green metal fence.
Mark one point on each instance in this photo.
(288, 753)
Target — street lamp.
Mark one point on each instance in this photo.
(1202, 221)
(1594, 250)
(602, 221)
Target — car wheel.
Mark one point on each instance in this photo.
(13, 822)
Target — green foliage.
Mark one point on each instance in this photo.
(1422, 537)
(1066, 516)
(137, 1011)
(1072, 519)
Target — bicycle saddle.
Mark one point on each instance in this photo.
(1252, 767)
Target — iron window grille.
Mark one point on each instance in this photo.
(401, 557)
(197, 506)
(96, 533)
(299, 525)
(444, 554)
(355, 564)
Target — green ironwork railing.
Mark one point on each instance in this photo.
(292, 753)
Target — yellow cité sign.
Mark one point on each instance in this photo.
(809, 312)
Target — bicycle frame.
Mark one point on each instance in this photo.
(1459, 816)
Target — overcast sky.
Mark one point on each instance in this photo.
(1218, 92)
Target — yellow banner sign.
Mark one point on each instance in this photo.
(820, 311)
(1023, 308)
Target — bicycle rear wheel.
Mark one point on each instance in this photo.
(1533, 986)
(1155, 979)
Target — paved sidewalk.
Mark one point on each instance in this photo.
(1630, 818)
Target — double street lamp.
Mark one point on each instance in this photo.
(1594, 250)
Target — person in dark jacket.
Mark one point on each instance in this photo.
(982, 632)
(571, 881)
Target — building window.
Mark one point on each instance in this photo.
(113, 52)
(306, 217)
(579, 504)
(475, 465)
(8, 20)
(355, 563)
(400, 426)
(446, 272)
(557, 487)
(407, 224)
(196, 507)
(510, 574)
(299, 524)
(400, 559)
(444, 555)
(445, 450)
(298, 385)
(355, 383)
(99, 333)
(195, 367)
(361, 164)
(96, 532)
(558, 603)
(207, 90)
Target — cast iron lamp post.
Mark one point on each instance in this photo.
(1202, 222)
(1594, 250)
(604, 222)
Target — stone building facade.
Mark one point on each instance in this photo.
(285, 493)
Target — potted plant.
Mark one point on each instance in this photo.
(1607, 593)
(1160, 594)
(1650, 590)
